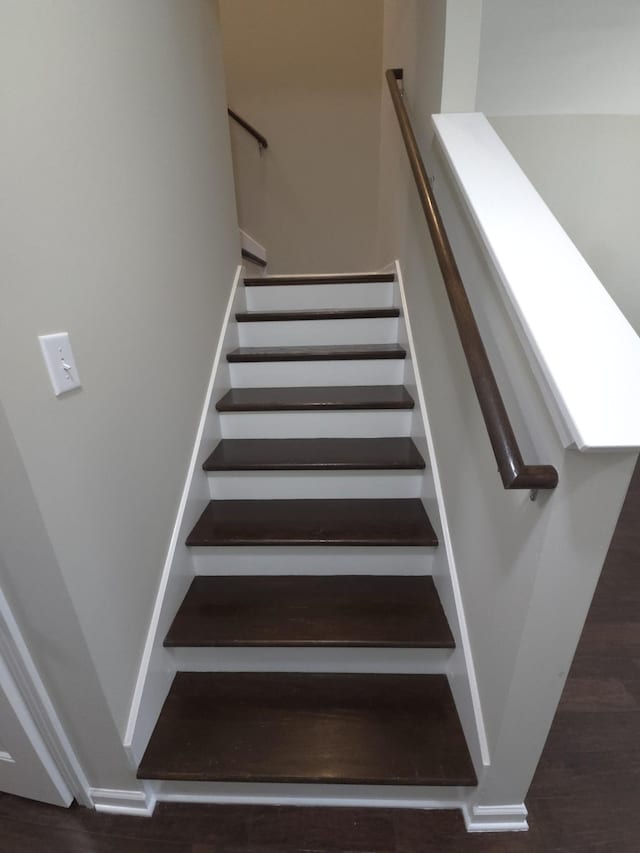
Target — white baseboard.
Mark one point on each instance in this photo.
(114, 801)
(505, 818)
(327, 795)
(250, 245)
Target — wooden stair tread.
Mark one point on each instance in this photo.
(341, 352)
(319, 314)
(349, 278)
(309, 727)
(298, 454)
(380, 521)
(351, 610)
(311, 398)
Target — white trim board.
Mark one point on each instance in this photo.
(156, 674)
(34, 695)
(585, 349)
(461, 670)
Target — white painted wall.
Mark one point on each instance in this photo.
(587, 170)
(307, 75)
(461, 55)
(559, 56)
(117, 225)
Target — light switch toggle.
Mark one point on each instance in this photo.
(58, 356)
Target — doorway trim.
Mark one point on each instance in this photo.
(21, 667)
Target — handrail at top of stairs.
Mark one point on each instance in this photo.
(262, 142)
(514, 472)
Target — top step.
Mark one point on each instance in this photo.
(350, 278)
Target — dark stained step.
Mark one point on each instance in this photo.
(377, 521)
(299, 454)
(350, 278)
(309, 727)
(320, 314)
(342, 352)
(312, 398)
(352, 610)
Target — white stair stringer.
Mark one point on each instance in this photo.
(460, 669)
(156, 673)
(159, 664)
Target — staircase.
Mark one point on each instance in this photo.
(311, 646)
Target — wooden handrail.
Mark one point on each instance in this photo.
(262, 142)
(515, 474)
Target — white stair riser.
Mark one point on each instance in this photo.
(313, 794)
(311, 296)
(289, 333)
(337, 424)
(243, 659)
(312, 560)
(274, 485)
(280, 374)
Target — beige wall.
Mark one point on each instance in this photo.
(559, 56)
(307, 75)
(587, 170)
(118, 226)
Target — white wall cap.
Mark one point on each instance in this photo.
(588, 352)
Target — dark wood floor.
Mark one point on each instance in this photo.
(585, 796)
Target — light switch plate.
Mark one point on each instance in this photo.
(58, 356)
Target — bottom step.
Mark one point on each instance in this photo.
(309, 728)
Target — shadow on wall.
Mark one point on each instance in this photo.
(307, 75)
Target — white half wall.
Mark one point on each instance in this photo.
(527, 570)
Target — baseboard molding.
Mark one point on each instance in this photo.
(506, 818)
(462, 674)
(114, 801)
(57, 754)
(326, 795)
(250, 245)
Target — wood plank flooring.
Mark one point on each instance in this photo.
(584, 798)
